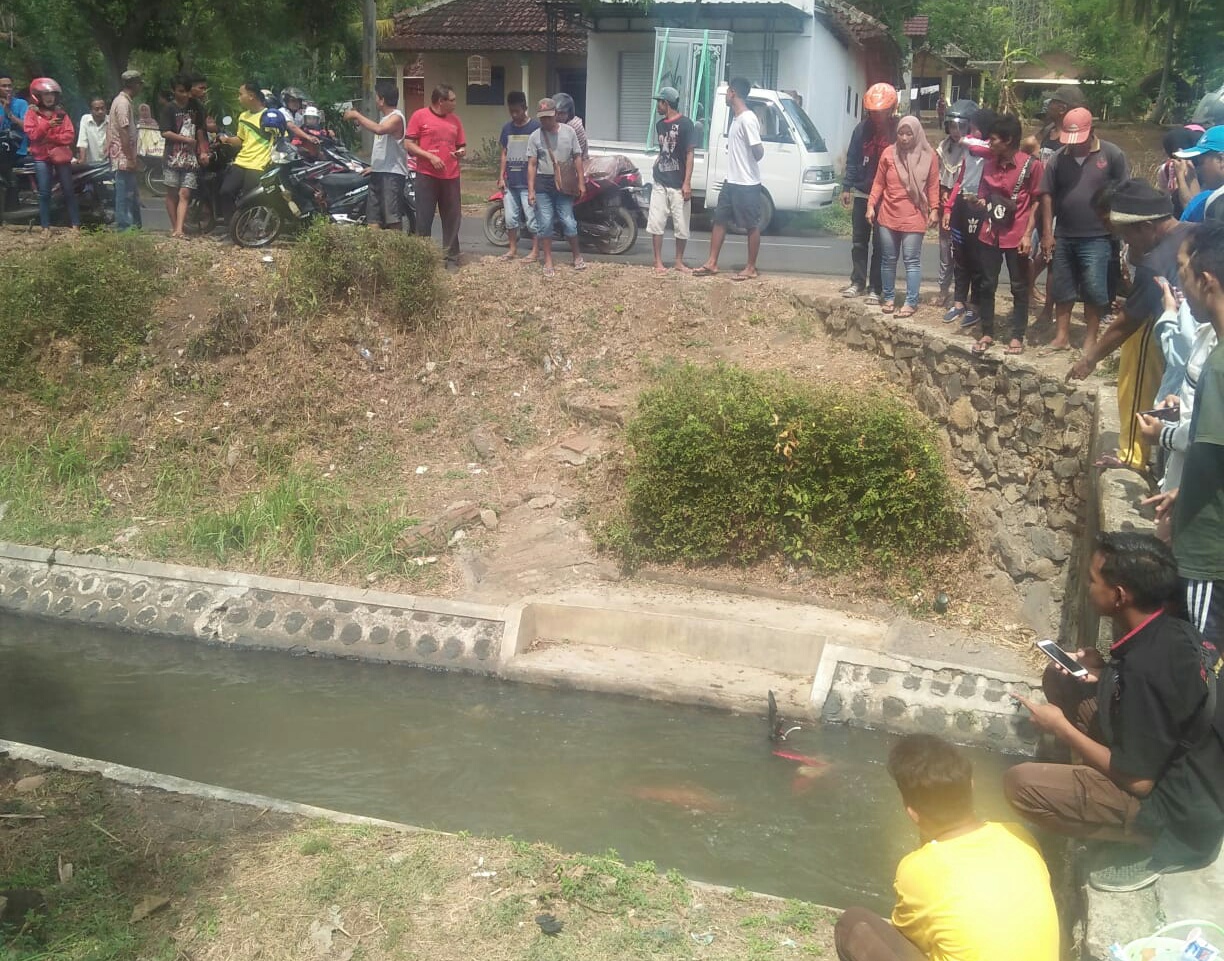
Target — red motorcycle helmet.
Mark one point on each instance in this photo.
(42, 85)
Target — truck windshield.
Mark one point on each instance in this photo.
(803, 125)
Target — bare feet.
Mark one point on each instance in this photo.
(512, 255)
(682, 269)
(660, 270)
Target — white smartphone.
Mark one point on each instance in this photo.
(1060, 657)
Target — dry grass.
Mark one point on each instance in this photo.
(243, 884)
(234, 401)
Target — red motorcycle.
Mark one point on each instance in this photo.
(611, 209)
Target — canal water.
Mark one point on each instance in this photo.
(688, 788)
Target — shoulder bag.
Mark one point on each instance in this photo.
(1001, 211)
(565, 174)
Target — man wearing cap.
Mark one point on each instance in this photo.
(672, 192)
(1208, 157)
(551, 148)
(1061, 100)
(121, 141)
(1073, 238)
(1142, 216)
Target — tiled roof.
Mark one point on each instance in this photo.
(853, 23)
(482, 25)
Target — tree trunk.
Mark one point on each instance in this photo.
(1162, 95)
(369, 65)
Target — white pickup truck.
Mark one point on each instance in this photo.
(796, 171)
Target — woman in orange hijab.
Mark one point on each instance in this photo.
(904, 201)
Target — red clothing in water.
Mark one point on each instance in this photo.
(441, 136)
(47, 130)
(896, 210)
(998, 181)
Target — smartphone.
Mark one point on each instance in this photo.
(1060, 657)
(1163, 413)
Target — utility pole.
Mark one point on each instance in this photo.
(369, 65)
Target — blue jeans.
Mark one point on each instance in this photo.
(519, 213)
(127, 200)
(550, 205)
(909, 246)
(45, 173)
(1080, 270)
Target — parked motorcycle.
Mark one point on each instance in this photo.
(609, 212)
(294, 191)
(93, 184)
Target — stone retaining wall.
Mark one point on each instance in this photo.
(1018, 434)
(250, 611)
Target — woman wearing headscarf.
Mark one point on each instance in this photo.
(904, 201)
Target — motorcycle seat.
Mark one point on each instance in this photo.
(334, 184)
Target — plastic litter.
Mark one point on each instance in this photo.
(706, 937)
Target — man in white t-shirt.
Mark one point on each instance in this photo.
(388, 160)
(91, 141)
(739, 201)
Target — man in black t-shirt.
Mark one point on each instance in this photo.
(672, 192)
(180, 123)
(1147, 724)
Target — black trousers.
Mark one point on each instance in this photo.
(434, 193)
(863, 236)
(964, 252)
(991, 260)
(238, 181)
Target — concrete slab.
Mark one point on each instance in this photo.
(1194, 894)
(660, 677)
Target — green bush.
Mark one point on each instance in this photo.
(735, 465)
(98, 289)
(397, 274)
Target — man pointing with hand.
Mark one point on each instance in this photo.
(1146, 723)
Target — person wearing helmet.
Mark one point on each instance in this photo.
(1210, 110)
(951, 154)
(293, 106)
(254, 141)
(52, 135)
(566, 114)
(877, 130)
(122, 144)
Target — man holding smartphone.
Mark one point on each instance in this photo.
(1146, 723)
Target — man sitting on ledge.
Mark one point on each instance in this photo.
(974, 891)
(1147, 725)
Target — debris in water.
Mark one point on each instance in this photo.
(695, 799)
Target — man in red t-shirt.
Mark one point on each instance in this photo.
(436, 141)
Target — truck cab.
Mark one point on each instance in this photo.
(796, 172)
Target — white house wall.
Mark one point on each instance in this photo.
(603, 75)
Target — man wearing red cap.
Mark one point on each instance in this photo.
(1073, 238)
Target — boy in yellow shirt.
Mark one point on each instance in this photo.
(974, 890)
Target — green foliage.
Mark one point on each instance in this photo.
(394, 273)
(736, 465)
(97, 289)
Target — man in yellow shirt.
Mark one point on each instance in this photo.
(255, 149)
(974, 891)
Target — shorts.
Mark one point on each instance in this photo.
(174, 179)
(519, 212)
(668, 202)
(384, 200)
(739, 205)
(1080, 270)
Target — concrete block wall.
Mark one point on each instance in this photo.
(250, 611)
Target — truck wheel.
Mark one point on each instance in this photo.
(622, 232)
(768, 213)
(495, 225)
(256, 226)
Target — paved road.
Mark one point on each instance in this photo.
(826, 256)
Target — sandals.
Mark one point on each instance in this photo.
(873, 300)
(983, 345)
(704, 271)
(888, 308)
(1014, 347)
(906, 311)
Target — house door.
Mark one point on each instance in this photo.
(634, 89)
(573, 80)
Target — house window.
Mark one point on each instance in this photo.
(478, 71)
(489, 94)
(848, 95)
